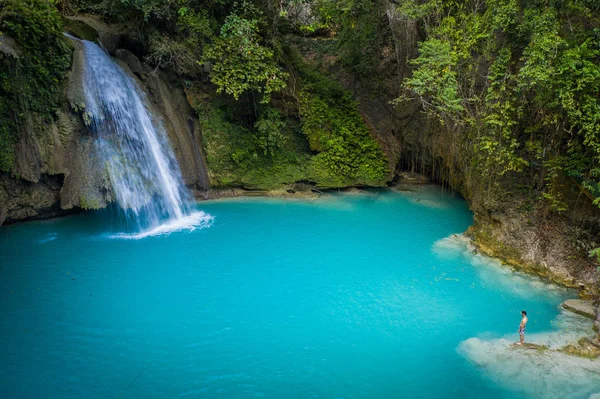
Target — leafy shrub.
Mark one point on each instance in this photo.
(240, 63)
(269, 131)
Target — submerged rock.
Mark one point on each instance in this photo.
(528, 345)
(523, 243)
(532, 371)
(560, 363)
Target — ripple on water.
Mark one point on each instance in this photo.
(48, 238)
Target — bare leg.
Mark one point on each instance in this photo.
(521, 339)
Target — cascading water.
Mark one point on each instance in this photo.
(144, 173)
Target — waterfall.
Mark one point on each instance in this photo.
(144, 174)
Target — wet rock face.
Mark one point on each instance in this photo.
(54, 172)
(22, 200)
(56, 169)
(543, 248)
(169, 104)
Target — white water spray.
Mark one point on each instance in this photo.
(144, 173)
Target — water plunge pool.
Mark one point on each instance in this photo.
(350, 296)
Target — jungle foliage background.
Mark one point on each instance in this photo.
(511, 87)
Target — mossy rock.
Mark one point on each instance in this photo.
(80, 29)
(528, 346)
(584, 348)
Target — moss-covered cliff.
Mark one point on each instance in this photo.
(311, 133)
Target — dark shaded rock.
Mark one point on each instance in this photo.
(79, 29)
(111, 37)
(131, 61)
(20, 199)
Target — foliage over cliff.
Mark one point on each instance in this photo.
(514, 85)
(34, 59)
(519, 83)
(317, 136)
(510, 94)
(274, 104)
(239, 62)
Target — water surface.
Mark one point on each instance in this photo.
(352, 296)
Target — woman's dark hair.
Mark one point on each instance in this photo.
(524, 312)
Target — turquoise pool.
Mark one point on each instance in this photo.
(350, 296)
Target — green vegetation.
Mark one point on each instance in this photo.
(512, 87)
(358, 30)
(347, 154)
(328, 145)
(238, 155)
(31, 79)
(312, 132)
(239, 62)
(516, 85)
(228, 37)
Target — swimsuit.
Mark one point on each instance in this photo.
(522, 330)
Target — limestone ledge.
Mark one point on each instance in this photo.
(582, 307)
(550, 265)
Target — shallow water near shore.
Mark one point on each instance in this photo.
(350, 296)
